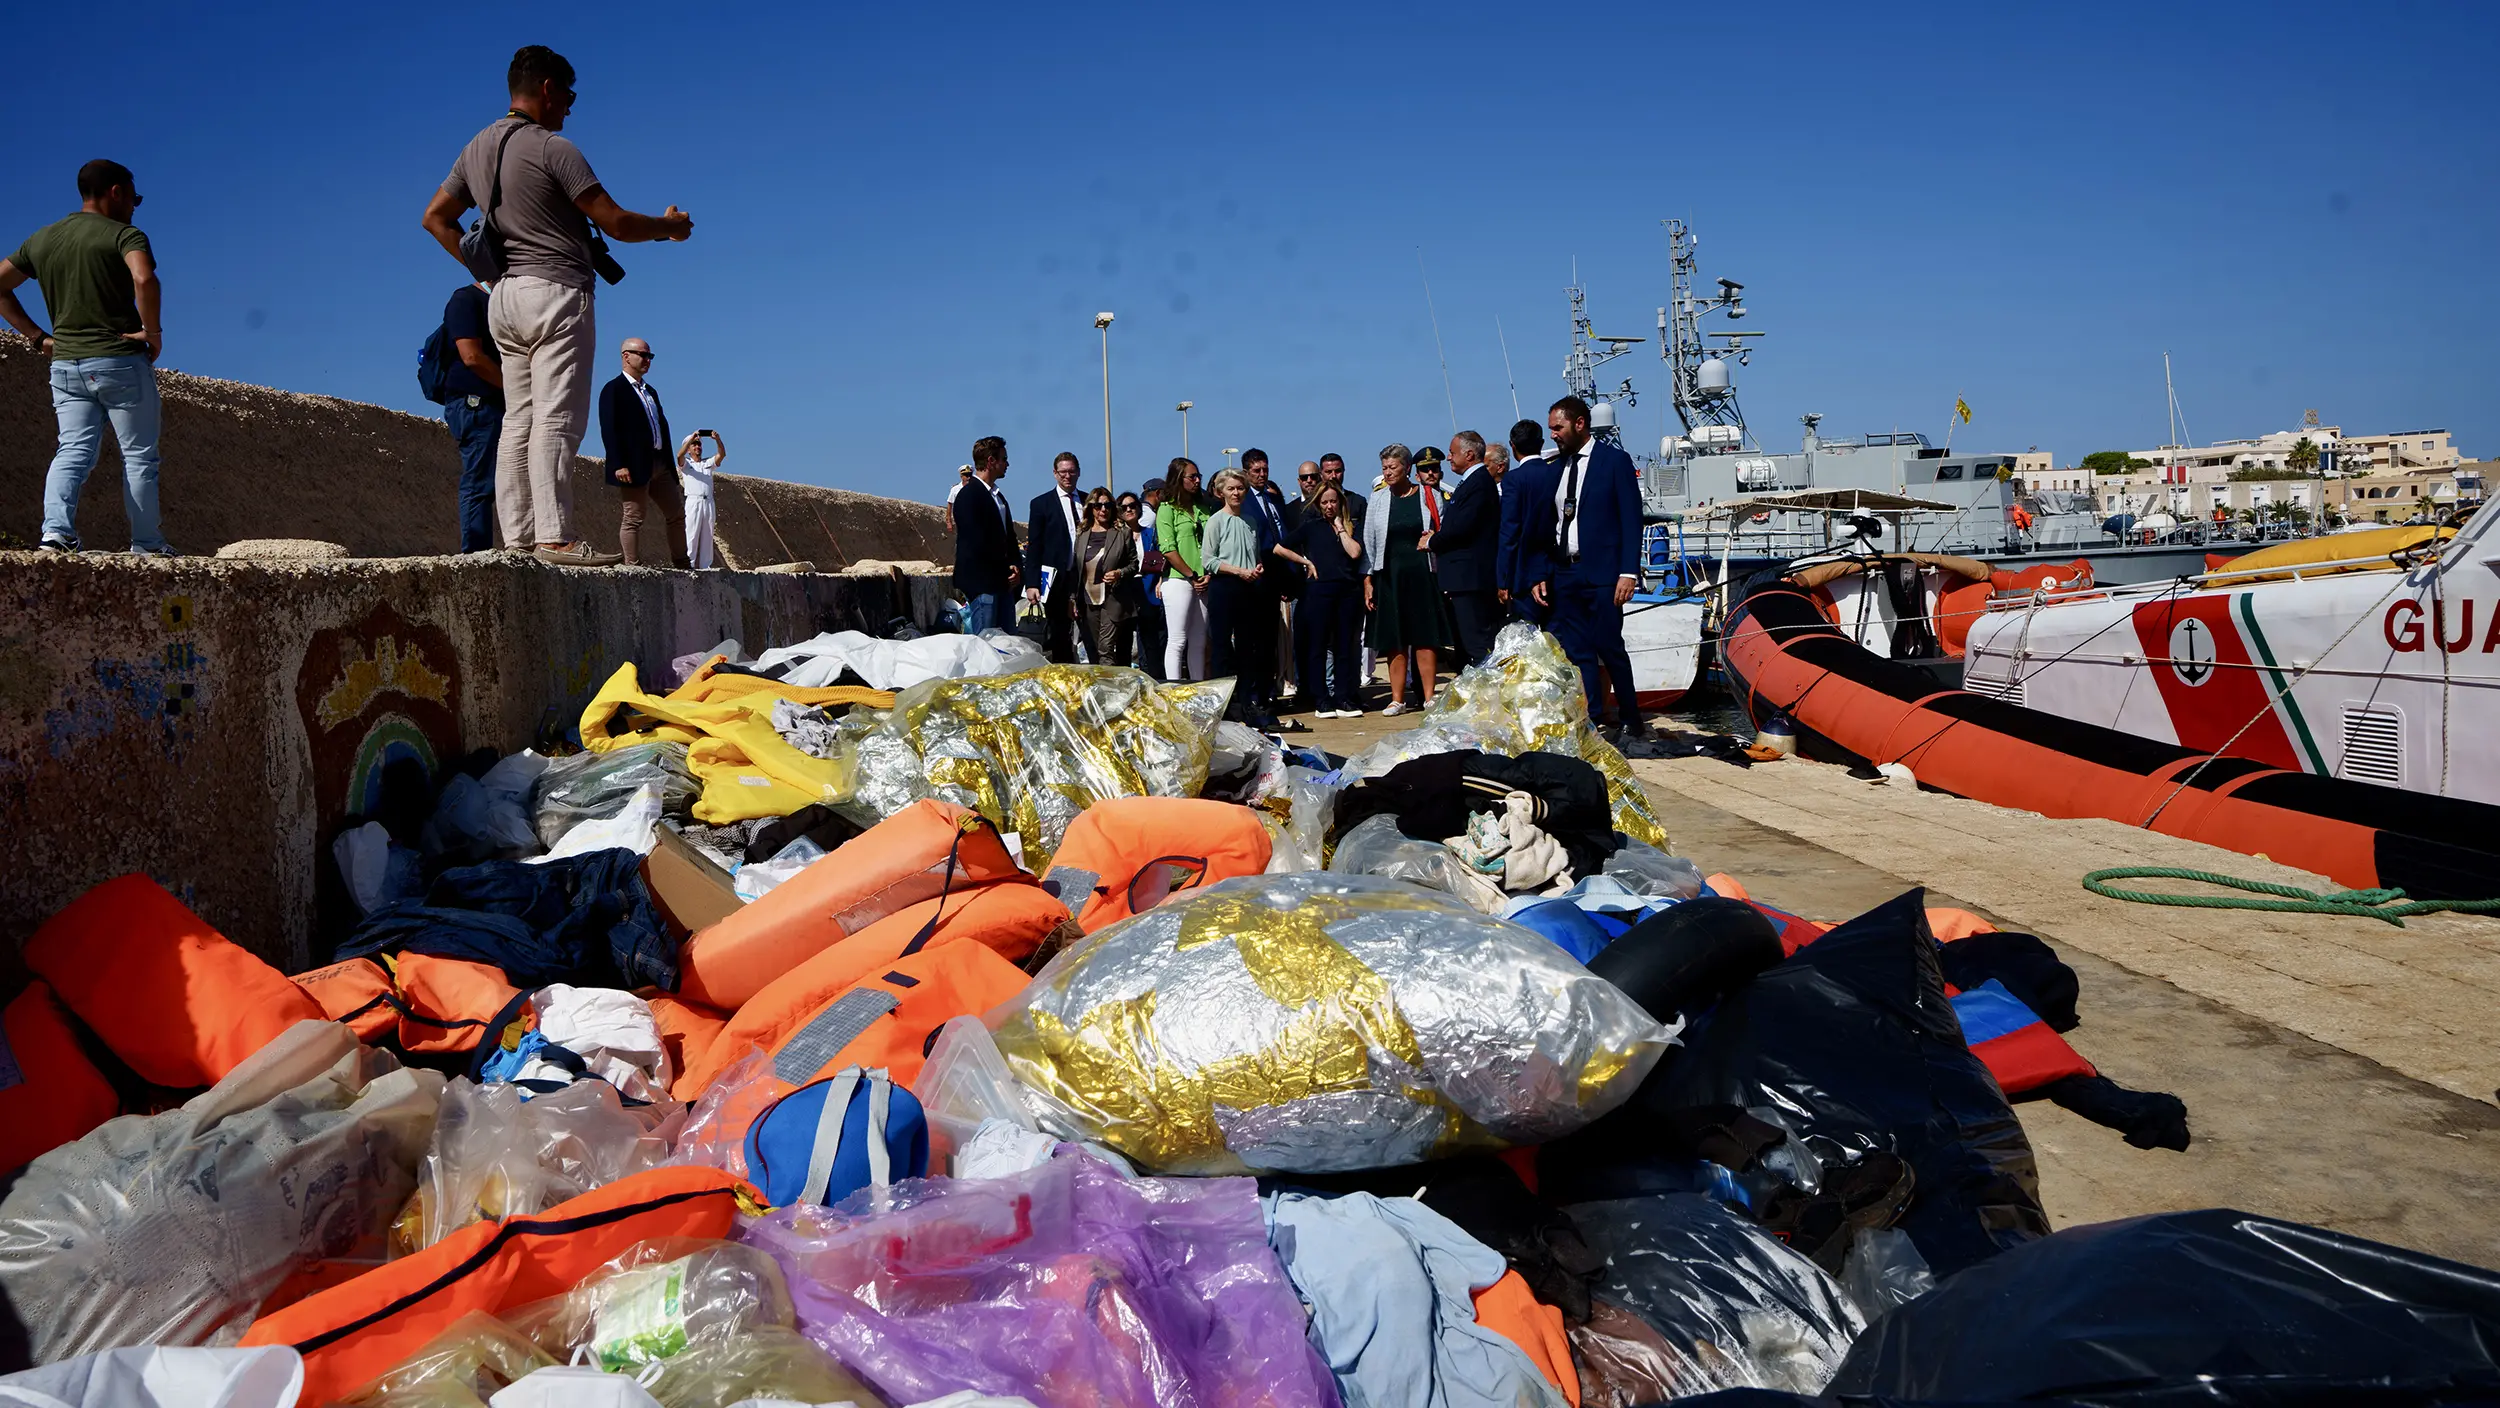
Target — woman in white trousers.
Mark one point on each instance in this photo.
(1178, 524)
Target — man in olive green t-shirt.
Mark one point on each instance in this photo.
(98, 278)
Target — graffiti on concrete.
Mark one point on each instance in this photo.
(372, 693)
(162, 689)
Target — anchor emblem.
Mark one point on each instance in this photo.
(2192, 652)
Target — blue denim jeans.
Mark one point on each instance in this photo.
(475, 429)
(86, 392)
(981, 612)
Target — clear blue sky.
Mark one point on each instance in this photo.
(906, 216)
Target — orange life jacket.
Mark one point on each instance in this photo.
(450, 1004)
(179, 1002)
(1010, 919)
(59, 1094)
(902, 860)
(1127, 854)
(687, 1029)
(357, 992)
(352, 1334)
(889, 1020)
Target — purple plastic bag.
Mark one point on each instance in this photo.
(1065, 1284)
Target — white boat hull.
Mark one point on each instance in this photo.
(2389, 676)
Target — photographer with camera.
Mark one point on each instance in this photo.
(537, 247)
(696, 469)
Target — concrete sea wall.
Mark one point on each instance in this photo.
(210, 723)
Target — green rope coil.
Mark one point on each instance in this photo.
(2387, 904)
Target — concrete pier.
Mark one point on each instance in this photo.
(210, 723)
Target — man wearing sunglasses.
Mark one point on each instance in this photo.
(633, 431)
(98, 278)
(541, 199)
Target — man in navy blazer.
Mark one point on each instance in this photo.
(1051, 527)
(1466, 546)
(1527, 523)
(633, 432)
(1594, 557)
(985, 541)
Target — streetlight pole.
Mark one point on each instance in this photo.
(1102, 321)
(1183, 408)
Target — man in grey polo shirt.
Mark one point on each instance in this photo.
(540, 312)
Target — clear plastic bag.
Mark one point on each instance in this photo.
(1377, 847)
(765, 1362)
(171, 1228)
(591, 786)
(654, 1301)
(1646, 870)
(1310, 806)
(1319, 1022)
(715, 1131)
(462, 1367)
(1736, 1308)
(964, 1082)
(495, 1155)
(1244, 765)
(1884, 1270)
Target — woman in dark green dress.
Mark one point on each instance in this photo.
(1402, 595)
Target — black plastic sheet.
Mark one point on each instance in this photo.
(1854, 1043)
(2215, 1307)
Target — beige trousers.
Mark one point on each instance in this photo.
(547, 335)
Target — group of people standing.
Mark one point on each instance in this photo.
(1198, 578)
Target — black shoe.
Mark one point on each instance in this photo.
(57, 545)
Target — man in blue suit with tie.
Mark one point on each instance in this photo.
(1594, 558)
(1527, 522)
(1052, 524)
(1466, 546)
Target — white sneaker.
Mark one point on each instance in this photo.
(1394, 709)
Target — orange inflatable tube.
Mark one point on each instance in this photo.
(1781, 656)
(353, 1333)
(179, 1002)
(902, 860)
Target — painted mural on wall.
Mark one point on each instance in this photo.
(372, 692)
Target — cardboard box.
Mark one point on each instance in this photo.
(691, 889)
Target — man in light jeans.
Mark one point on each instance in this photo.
(543, 199)
(98, 276)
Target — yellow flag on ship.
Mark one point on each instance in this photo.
(1962, 408)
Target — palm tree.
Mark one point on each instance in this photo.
(2303, 459)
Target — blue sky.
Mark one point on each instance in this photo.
(906, 217)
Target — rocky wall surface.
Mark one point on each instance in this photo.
(211, 723)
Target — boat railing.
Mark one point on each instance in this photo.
(2198, 581)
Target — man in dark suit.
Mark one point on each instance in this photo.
(1052, 524)
(985, 539)
(1264, 650)
(1527, 522)
(1594, 561)
(1466, 545)
(633, 430)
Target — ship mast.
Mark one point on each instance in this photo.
(1697, 373)
(1589, 351)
